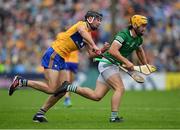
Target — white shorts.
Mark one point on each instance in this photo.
(106, 70)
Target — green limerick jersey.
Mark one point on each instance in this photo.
(129, 43)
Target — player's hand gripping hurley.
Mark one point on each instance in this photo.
(144, 69)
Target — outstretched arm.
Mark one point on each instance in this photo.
(87, 37)
(92, 54)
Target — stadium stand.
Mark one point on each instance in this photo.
(28, 27)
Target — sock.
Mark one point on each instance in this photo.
(68, 87)
(67, 98)
(114, 114)
(23, 81)
(41, 111)
(71, 88)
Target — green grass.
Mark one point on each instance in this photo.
(142, 109)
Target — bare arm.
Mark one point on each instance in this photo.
(87, 37)
(114, 51)
(141, 55)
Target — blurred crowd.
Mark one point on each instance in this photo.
(27, 28)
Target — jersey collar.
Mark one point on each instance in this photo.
(131, 33)
(88, 27)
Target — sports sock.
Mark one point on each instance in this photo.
(41, 111)
(71, 88)
(23, 81)
(67, 98)
(114, 114)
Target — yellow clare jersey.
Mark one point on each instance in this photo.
(73, 57)
(69, 41)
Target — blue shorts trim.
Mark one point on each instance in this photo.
(73, 67)
(52, 60)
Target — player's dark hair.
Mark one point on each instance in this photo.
(93, 14)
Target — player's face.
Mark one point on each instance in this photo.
(96, 23)
(141, 30)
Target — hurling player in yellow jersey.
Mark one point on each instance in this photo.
(75, 38)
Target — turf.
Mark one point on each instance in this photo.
(140, 109)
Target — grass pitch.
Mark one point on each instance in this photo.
(141, 110)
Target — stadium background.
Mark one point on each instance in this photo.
(27, 28)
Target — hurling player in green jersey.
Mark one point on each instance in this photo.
(123, 44)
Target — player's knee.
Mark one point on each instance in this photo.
(52, 89)
(97, 97)
(122, 91)
(119, 89)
